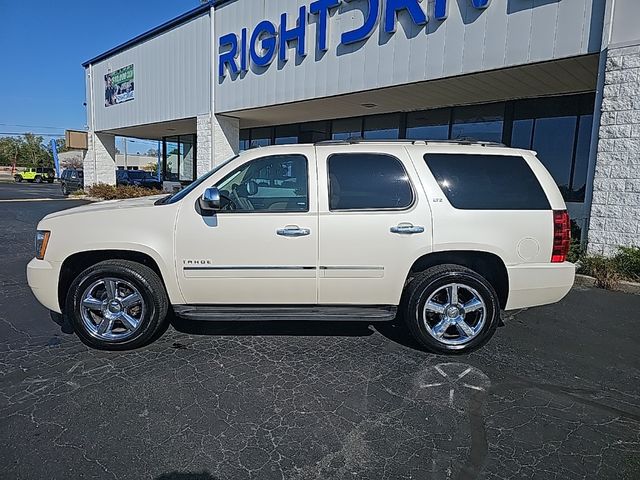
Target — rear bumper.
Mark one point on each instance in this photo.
(42, 277)
(539, 284)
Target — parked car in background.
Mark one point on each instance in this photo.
(138, 178)
(445, 234)
(37, 175)
(72, 179)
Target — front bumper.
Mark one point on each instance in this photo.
(42, 277)
(531, 285)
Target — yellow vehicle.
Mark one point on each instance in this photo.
(37, 175)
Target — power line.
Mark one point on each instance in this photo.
(31, 126)
(16, 134)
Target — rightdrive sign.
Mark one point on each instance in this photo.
(260, 45)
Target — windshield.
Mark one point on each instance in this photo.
(179, 195)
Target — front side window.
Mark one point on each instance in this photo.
(368, 181)
(278, 183)
(487, 182)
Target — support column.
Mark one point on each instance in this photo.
(615, 210)
(218, 140)
(100, 161)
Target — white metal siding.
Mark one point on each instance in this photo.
(172, 78)
(507, 33)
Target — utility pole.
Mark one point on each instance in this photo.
(125, 153)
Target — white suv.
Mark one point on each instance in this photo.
(444, 234)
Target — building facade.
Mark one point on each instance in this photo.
(561, 77)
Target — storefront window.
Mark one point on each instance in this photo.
(521, 133)
(260, 137)
(315, 132)
(286, 134)
(245, 138)
(179, 158)
(172, 159)
(479, 122)
(347, 128)
(553, 139)
(428, 125)
(382, 126)
(581, 162)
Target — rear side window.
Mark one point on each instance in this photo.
(487, 182)
(368, 181)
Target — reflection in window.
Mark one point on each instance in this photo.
(428, 125)
(245, 137)
(382, 126)
(172, 158)
(578, 185)
(312, 132)
(187, 164)
(346, 128)
(286, 134)
(479, 122)
(553, 140)
(260, 137)
(179, 158)
(521, 133)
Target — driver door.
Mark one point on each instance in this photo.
(262, 247)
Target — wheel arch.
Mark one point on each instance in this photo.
(487, 264)
(74, 264)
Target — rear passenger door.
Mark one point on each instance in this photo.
(374, 221)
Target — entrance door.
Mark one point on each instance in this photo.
(262, 247)
(375, 221)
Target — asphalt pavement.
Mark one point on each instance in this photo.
(555, 394)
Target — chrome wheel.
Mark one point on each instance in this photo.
(454, 314)
(112, 309)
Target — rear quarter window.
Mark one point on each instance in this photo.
(487, 182)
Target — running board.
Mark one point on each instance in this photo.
(324, 313)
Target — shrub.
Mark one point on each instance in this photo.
(627, 262)
(576, 251)
(602, 268)
(78, 193)
(112, 192)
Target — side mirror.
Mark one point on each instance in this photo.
(210, 200)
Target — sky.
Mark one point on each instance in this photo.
(43, 44)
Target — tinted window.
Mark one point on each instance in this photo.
(360, 181)
(487, 182)
(277, 183)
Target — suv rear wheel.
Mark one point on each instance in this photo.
(451, 309)
(38, 179)
(117, 305)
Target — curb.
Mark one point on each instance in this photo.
(622, 286)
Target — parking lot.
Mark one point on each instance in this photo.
(555, 394)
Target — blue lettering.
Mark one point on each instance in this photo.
(412, 6)
(243, 51)
(322, 9)
(228, 58)
(440, 10)
(297, 33)
(480, 3)
(265, 32)
(370, 21)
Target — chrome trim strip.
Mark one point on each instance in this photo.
(249, 267)
(351, 267)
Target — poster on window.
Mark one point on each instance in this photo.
(118, 86)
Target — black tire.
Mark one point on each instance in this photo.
(425, 284)
(18, 178)
(38, 179)
(65, 191)
(148, 284)
(50, 180)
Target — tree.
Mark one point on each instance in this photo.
(152, 152)
(10, 150)
(151, 167)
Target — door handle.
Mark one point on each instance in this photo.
(293, 231)
(407, 229)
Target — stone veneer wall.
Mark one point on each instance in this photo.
(615, 211)
(104, 146)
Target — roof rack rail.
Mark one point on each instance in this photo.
(459, 141)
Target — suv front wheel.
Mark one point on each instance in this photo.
(117, 305)
(451, 309)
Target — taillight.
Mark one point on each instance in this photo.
(561, 236)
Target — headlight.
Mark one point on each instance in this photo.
(42, 239)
